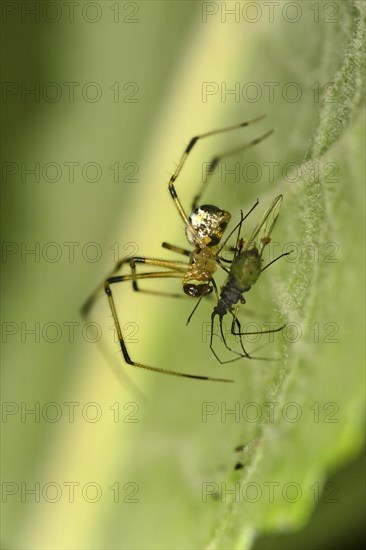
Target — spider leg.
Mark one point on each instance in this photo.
(174, 266)
(215, 160)
(89, 303)
(176, 269)
(183, 159)
(118, 279)
(177, 249)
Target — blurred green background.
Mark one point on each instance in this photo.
(120, 458)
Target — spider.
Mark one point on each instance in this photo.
(204, 229)
(245, 269)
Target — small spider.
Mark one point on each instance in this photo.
(204, 229)
(245, 269)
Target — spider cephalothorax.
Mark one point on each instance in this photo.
(197, 281)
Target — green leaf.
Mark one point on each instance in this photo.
(298, 418)
(321, 375)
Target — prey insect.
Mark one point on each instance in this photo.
(204, 229)
(245, 269)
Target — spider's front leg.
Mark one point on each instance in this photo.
(128, 359)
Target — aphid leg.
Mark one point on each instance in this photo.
(237, 323)
(270, 331)
(213, 315)
(237, 227)
(249, 333)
